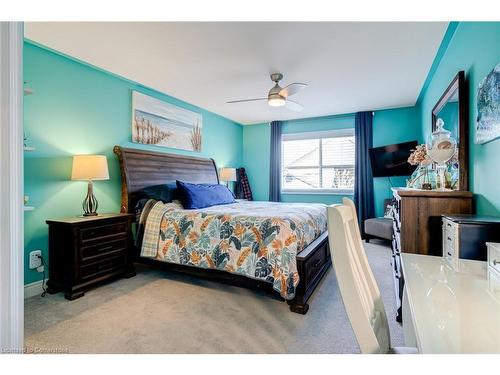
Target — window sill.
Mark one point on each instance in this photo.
(317, 192)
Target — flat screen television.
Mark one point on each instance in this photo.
(392, 160)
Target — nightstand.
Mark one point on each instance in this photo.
(86, 251)
(465, 236)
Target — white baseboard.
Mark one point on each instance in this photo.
(33, 289)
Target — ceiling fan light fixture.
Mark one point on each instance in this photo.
(278, 96)
(276, 100)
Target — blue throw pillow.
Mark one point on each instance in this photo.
(165, 192)
(203, 195)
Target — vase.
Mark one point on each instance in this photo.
(452, 176)
(420, 179)
(441, 147)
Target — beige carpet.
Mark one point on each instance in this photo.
(162, 312)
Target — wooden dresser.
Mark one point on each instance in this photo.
(417, 225)
(85, 251)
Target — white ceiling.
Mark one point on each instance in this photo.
(349, 66)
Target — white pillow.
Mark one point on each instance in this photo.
(388, 211)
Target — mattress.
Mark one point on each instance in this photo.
(259, 240)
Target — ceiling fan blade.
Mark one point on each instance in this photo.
(294, 106)
(245, 100)
(292, 89)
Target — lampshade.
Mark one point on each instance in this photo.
(227, 174)
(90, 167)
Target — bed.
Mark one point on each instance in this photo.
(282, 248)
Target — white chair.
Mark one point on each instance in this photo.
(357, 284)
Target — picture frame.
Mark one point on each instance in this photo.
(159, 123)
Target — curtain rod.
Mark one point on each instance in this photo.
(312, 118)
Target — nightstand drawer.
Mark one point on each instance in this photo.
(103, 250)
(103, 266)
(103, 231)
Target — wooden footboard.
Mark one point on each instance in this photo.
(312, 264)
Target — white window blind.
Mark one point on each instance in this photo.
(318, 162)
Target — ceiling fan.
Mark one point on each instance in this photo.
(278, 96)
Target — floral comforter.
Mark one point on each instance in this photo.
(259, 240)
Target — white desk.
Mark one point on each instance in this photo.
(448, 311)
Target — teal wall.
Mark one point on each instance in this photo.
(80, 109)
(392, 126)
(473, 47)
(256, 154)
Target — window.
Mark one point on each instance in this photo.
(321, 162)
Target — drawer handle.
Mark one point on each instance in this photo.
(105, 248)
(495, 262)
(101, 266)
(316, 264)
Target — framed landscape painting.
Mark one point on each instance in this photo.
(155, 122)
(488, 107)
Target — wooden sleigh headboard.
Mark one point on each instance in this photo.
(141, 168)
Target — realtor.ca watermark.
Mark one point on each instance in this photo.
(33, 350)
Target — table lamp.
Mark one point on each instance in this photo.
(90, 167)
(227, 174)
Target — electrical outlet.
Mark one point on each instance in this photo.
(35, 261)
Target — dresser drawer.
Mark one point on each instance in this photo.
(102, 250)
(395, 215)
(397, 241)
(397, 205)
(395, 227)
(449, 252)
(102, 267)
(450, 230)
(103, 231)
(494, 257)
(450, 225)
(450, 241)
(394, 246)
(397, 266)
(494, 284)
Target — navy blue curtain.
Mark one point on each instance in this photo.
(275, 169)
(363, 183)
